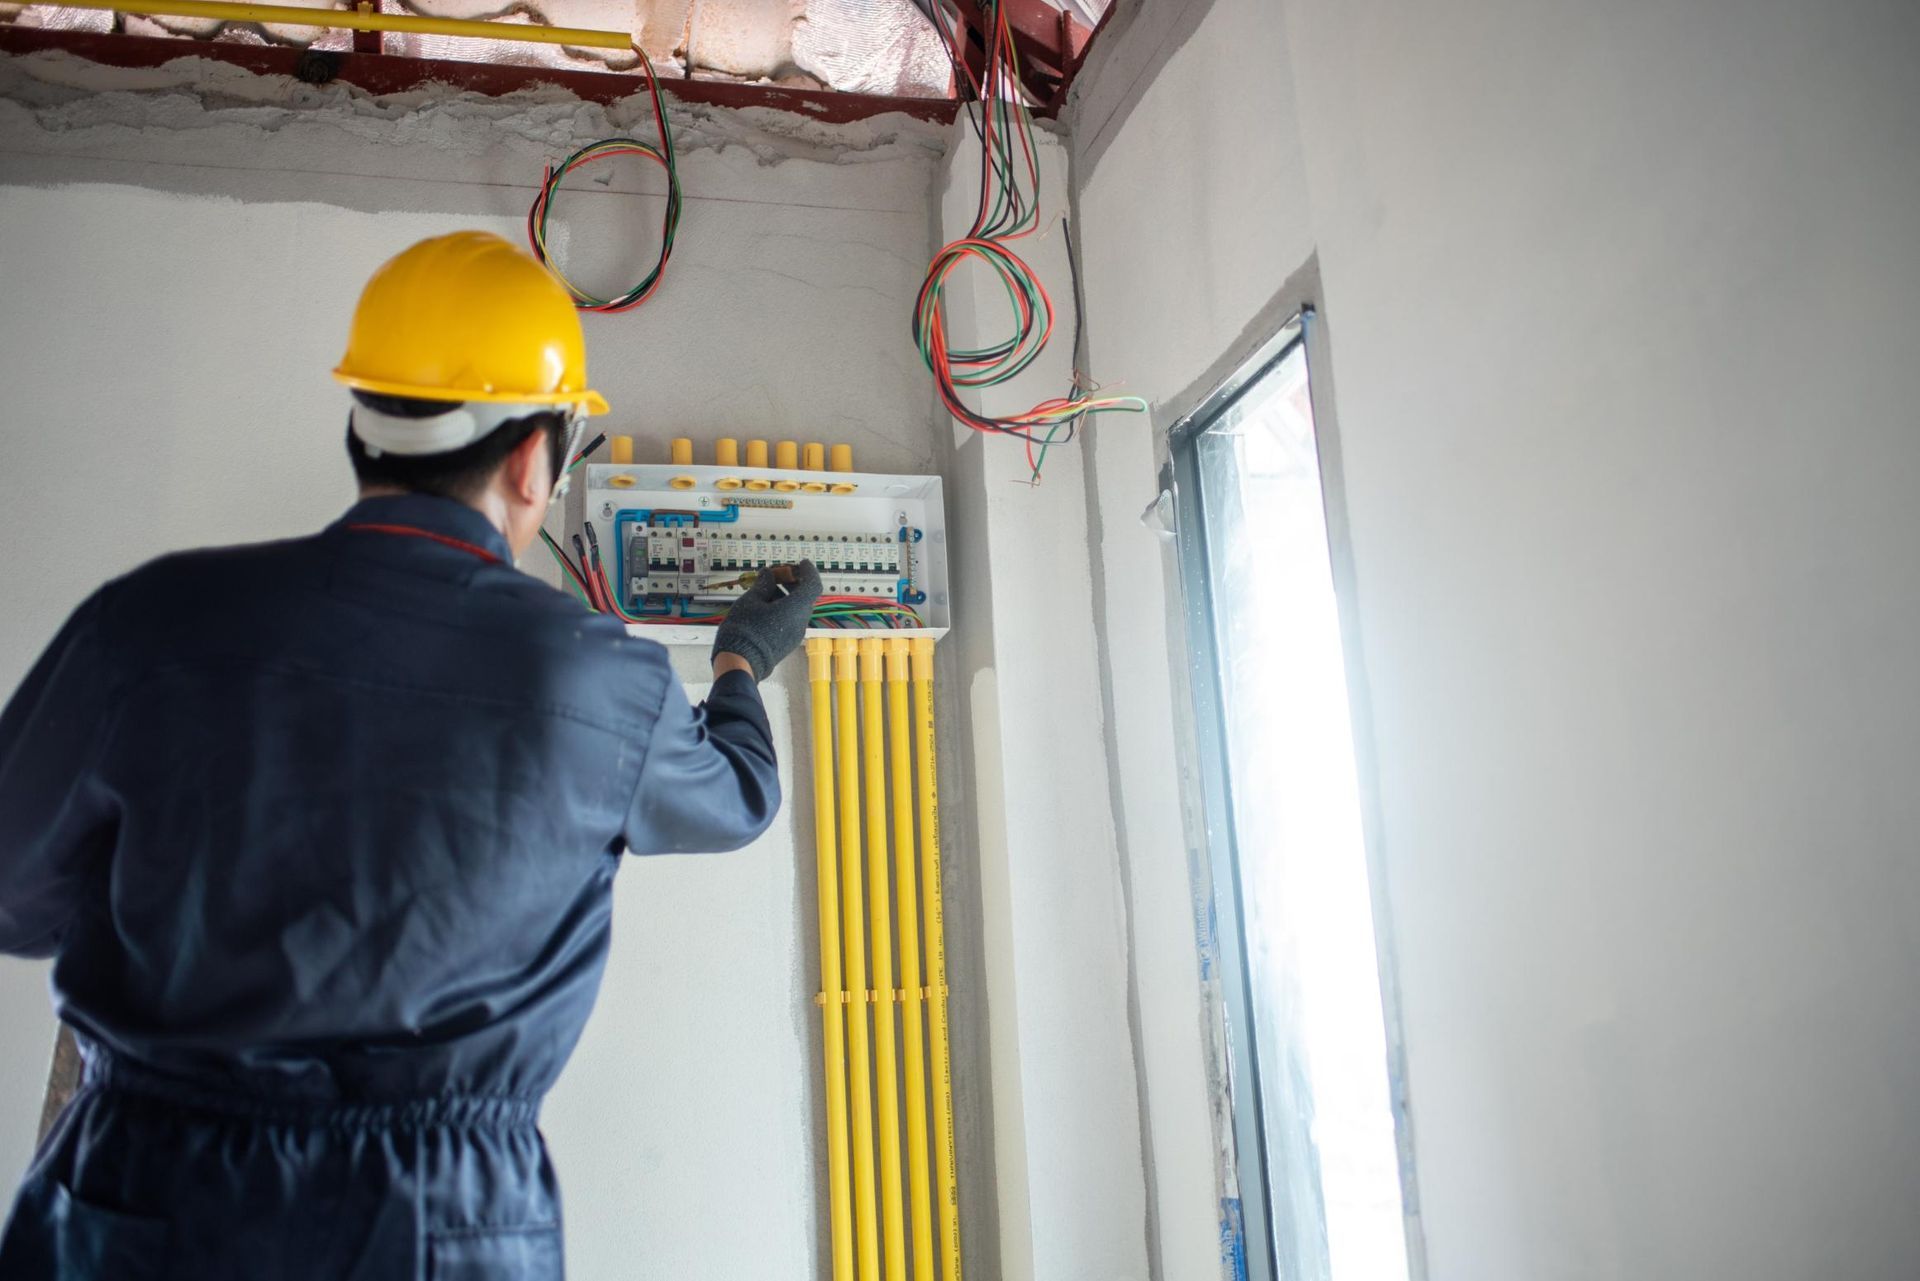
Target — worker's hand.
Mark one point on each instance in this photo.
(770, 620)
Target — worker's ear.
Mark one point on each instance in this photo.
(528, 470)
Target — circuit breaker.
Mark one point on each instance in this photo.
(677, 543)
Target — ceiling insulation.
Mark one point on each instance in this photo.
(880, 47)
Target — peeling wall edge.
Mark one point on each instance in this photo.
(384, 74)
(64, 119)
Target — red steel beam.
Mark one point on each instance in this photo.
(367, 41)
(1078, 61)
(1045, 37)
(385, 73)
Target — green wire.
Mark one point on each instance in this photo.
(566, 571)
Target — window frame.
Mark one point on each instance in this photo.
(1253, 1164)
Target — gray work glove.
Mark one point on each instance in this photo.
(770, 620)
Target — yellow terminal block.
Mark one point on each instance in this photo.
(726, 452)
(922, 657)
(620, 450)
(681, 451)
(756, 453)
(842, 458)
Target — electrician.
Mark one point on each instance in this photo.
(321, 834)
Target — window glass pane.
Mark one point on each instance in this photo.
(1318, 1033)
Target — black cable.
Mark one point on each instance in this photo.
(941, 28)
(589, 447)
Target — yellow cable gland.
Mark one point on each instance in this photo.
(727, 484)
(844, 487)
(786, 486)
(759, 486)
(683, 482)
(622, 482)
(814, 487)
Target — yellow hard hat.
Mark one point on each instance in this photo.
(468, 317)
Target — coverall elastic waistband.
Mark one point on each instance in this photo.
(105, 1072)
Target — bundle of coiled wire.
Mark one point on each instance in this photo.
(1008, 211)
(605, 149)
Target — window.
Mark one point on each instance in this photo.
(1315, 1135)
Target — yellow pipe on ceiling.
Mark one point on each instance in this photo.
(282, 15)
(833, 987)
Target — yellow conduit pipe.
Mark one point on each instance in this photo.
(946, 1173)
(833, 988)
(356, 20)
(852, 899)
(886, 1033)
(900, 768)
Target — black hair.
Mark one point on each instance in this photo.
(462, 473)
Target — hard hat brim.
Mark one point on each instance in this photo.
(586, 399)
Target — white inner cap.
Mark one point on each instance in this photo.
(459, 427)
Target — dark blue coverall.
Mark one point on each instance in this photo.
(321, 835)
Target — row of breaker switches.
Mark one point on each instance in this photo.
(668, 587)
(679, 551)
(711, 564)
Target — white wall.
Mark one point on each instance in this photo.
(177, 282)
(1068, 1169)
(1621, 303)
(1187, 226)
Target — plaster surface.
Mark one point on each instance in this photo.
(1618, 301)
(1189, 217)
(1068, 1155)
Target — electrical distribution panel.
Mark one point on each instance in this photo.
(678, 543)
